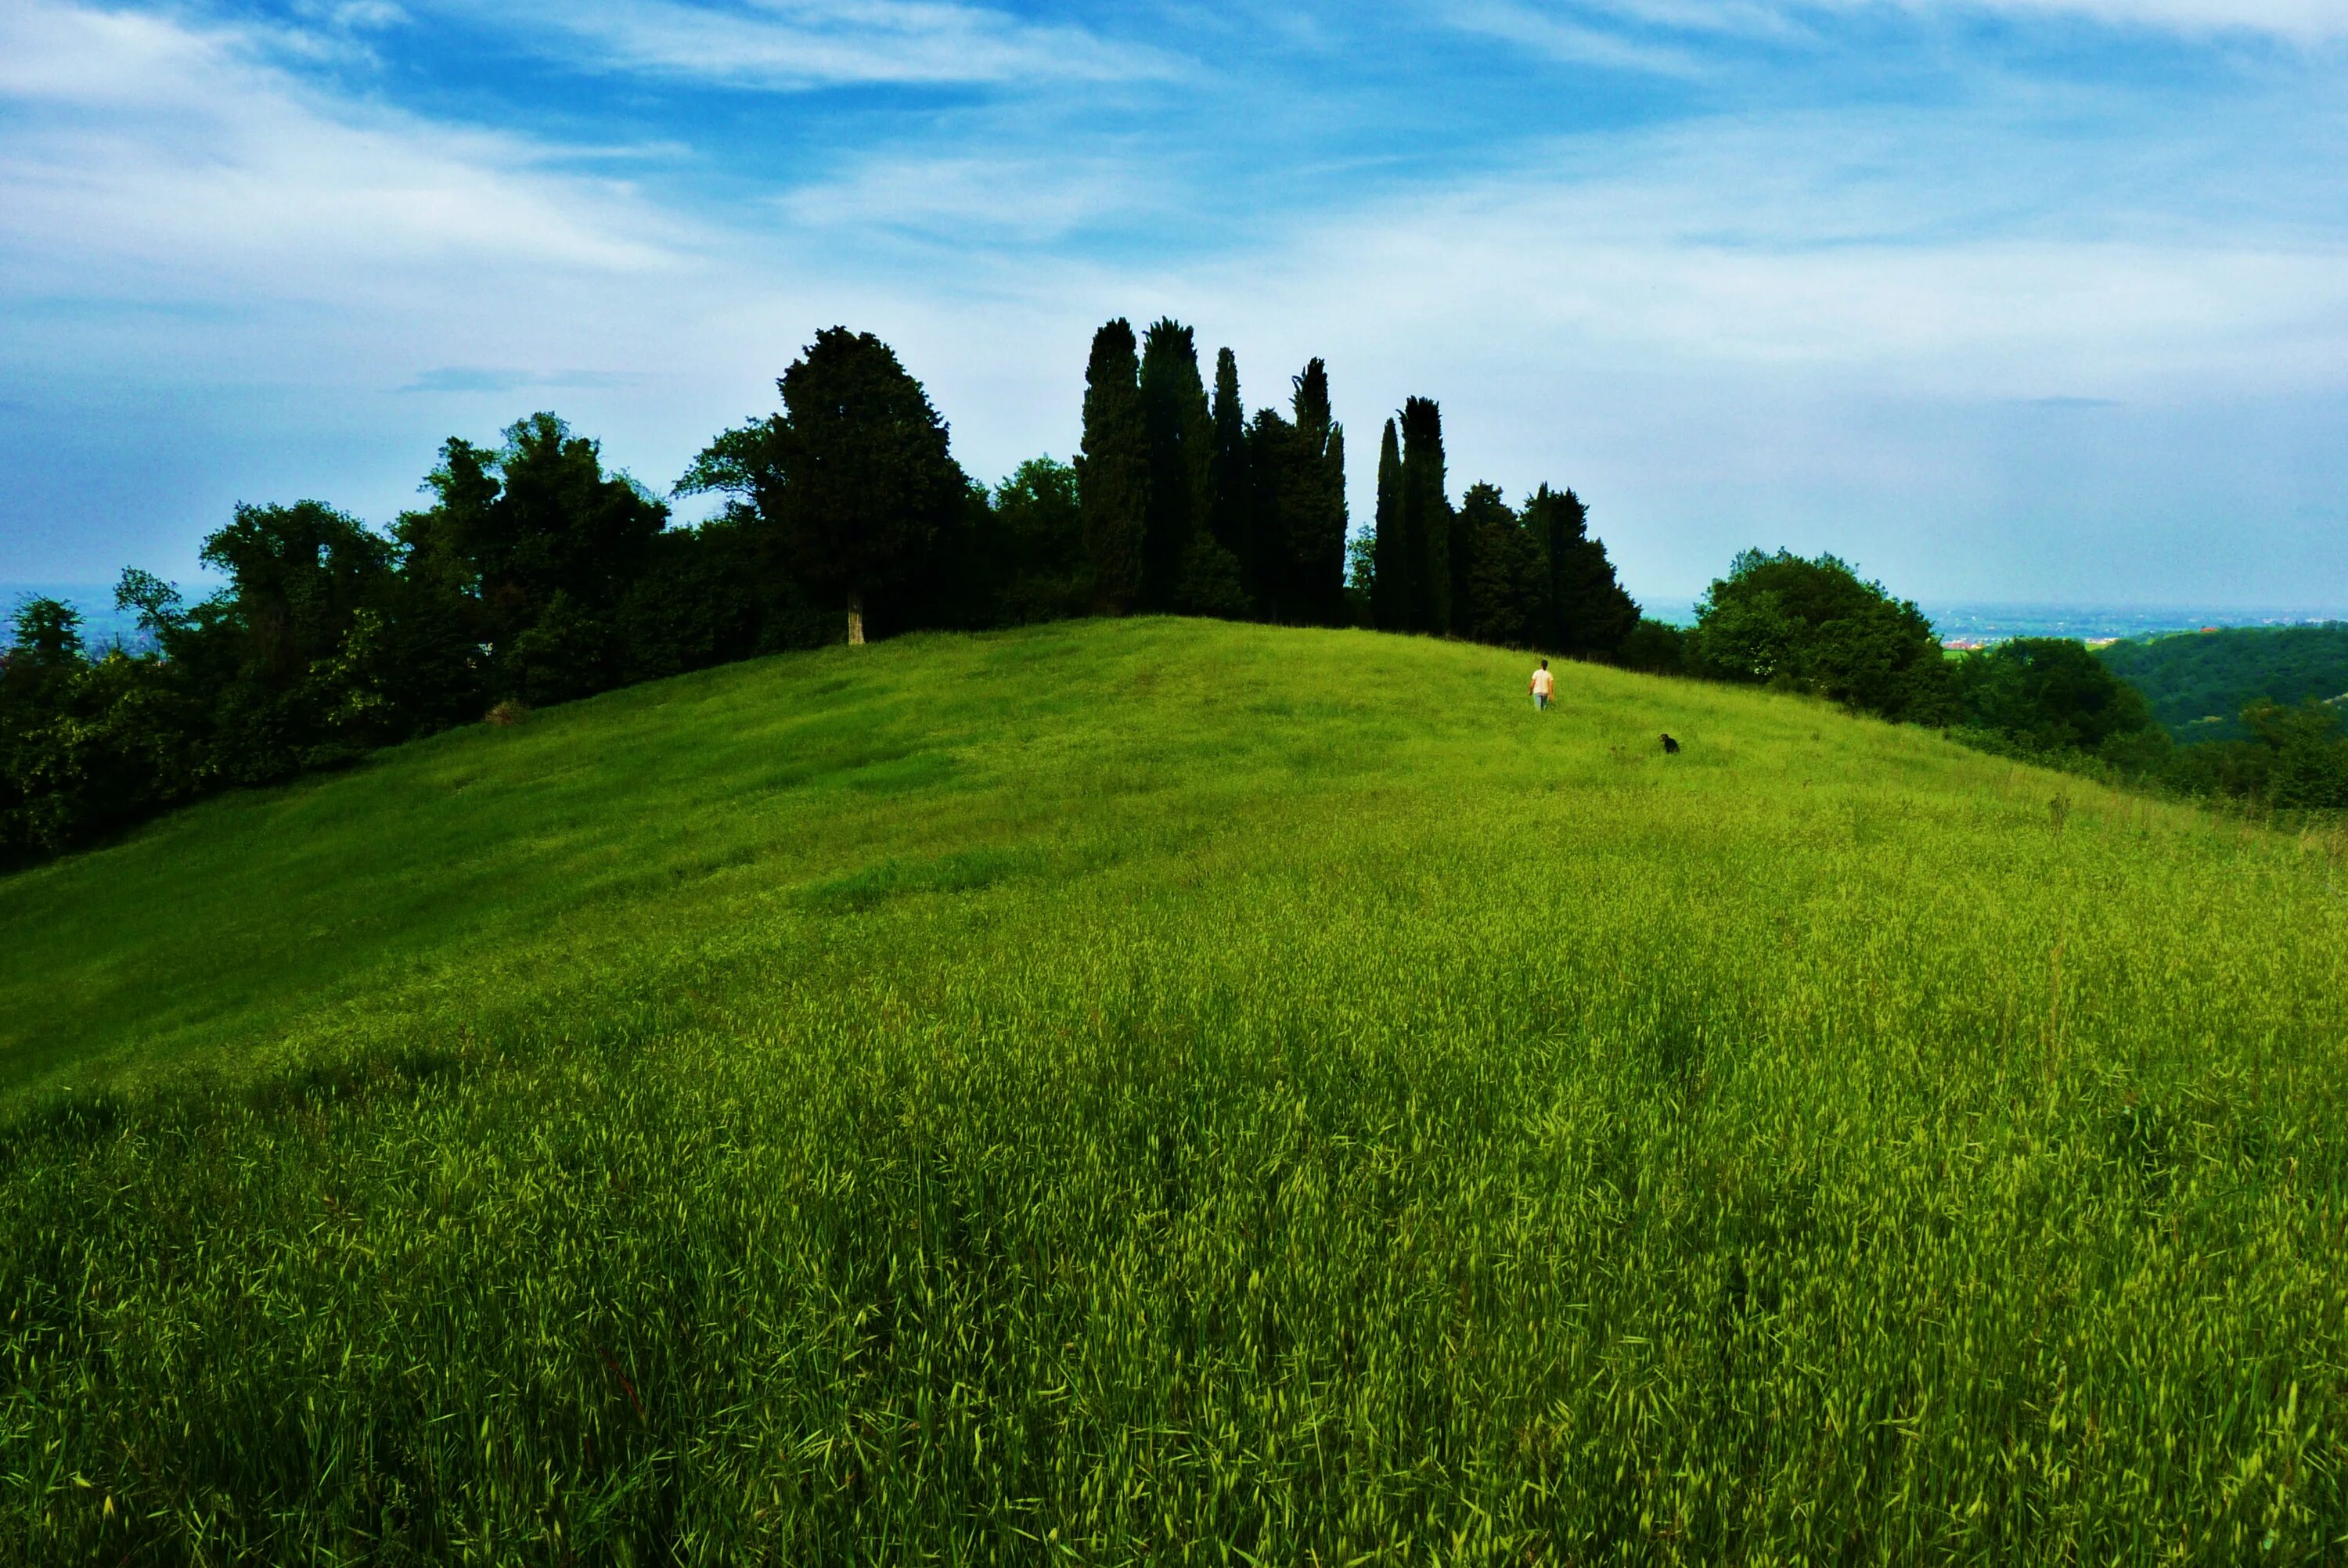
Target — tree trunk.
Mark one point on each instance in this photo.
(856, 620)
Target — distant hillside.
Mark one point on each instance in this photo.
(2198, 682)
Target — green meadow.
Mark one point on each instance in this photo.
(1160, 1090)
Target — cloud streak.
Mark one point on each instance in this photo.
(1593, 30)
(154, 158)
(794, 45)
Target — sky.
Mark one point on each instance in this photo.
(2013, 300)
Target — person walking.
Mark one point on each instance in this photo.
(1543, 684)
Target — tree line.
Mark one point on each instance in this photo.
(1814, 626)
(534, 574)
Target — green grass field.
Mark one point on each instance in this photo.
(1162, 1091)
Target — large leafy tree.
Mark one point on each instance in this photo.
(534, 517)
(1584, 612)
(1113, 469)
(1502, 601)
(2048, 693)
(1036, 540)
(1816, 626)
(544, 545)
(852, 482)
(298, 578)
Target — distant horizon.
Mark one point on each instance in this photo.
(1951, 617)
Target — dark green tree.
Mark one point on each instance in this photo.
(295, 649)
(87, 744)
(1275, 468)
(1503, 600)
(1391, 590)
(2047, 694)
(1426, 517)
(298, 577)
(853, 481)
(1233, 500)
(1178, 541)
(2306, 755)
(1316, 524)
(46, 641)
(1585, 613)
(546, 544)
(1657, 647)
(1814, 626)
(1038, 545)
(1112, 470)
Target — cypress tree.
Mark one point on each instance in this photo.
(1232, 504)
(1426, 516)
(1272, 473)
(1389, 562)
(1316, 532)
(1113, 469)
(1181, 470)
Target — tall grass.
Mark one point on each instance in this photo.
(1167, 1092)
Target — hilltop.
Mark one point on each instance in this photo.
(1154, 1087)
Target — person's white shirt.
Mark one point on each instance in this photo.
(1542, 683)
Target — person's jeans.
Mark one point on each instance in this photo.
(1540, 699)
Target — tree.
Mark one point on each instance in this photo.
(1585, 612)
(2306, 755)
(291, 656)
(1657, 647)
(1038, 543)
(1274, 462)
(1316, 524)
(1113, 469)
(2047, 694)
(853, 480)
(47, 639)
(1814, 626)
(1502, 601)
(297, 577)
(1175, 554)
(544, 546)
(1391, 573)
(1232, 504)
(1425, 517)
(1361, 579)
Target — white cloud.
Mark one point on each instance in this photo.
(1561, 38)
(154, 156)
(1567, 22)
(787, 45)
(1017, 197)
(2308, 20)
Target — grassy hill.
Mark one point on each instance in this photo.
(1168, 1089)
(2200, 683)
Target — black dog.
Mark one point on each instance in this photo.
(1671, 746)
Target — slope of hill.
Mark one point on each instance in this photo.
(2200, 683)
(1155, 1088)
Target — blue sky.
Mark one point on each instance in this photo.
(2009, 298)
